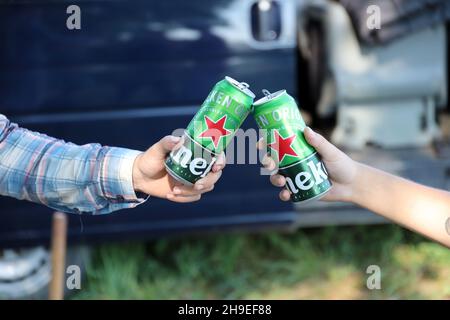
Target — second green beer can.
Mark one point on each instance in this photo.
(279, 117)
(210, 131)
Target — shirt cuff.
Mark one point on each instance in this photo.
(116, 176)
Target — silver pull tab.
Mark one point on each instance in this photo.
(244, 85)
(267, 94)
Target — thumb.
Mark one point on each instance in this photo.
(164, 146)
(326, 149)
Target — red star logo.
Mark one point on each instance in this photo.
(215, 130)
(283, 146)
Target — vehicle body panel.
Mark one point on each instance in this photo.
(132, 74)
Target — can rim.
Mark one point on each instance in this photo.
(316, 197)
(242, 86)
(176, 176)
(269, 97)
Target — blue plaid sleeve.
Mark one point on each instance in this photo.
(64, 176)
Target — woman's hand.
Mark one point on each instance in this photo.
(342, 170)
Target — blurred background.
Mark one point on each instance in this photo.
(370, 75)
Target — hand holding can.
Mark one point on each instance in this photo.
(210, 131)
(306, 176)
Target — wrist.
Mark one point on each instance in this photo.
(137, 174)
(357, 184)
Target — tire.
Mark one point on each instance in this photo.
(26, 273)
(312, 57)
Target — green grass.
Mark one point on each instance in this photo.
(323, 263)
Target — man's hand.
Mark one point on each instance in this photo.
(151, 177)
(341, 168)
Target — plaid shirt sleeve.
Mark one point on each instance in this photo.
(65, 176)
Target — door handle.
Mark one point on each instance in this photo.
(266, 20)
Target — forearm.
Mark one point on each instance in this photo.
(64, 176)
(417, 207)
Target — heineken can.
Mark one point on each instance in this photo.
(279, 117)
(210, 131)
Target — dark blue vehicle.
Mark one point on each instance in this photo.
(134, 72)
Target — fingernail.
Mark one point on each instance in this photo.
(199, 186)
(264, 161)
(176, 190)
(311, 131)
(219, 165)
(175, 139)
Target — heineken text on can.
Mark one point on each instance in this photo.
(299, 162)
(211, 130)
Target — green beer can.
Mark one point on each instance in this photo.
(279, 117)
(210, 131)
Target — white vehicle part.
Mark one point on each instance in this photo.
(386, 95)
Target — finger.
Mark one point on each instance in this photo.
(326, 149)
(278, 180)
(164, 146)
(189, 191)
(285, 195)
(220, 163)
(268, 163)
(208, 181)
(261, 144)
(181, 199)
